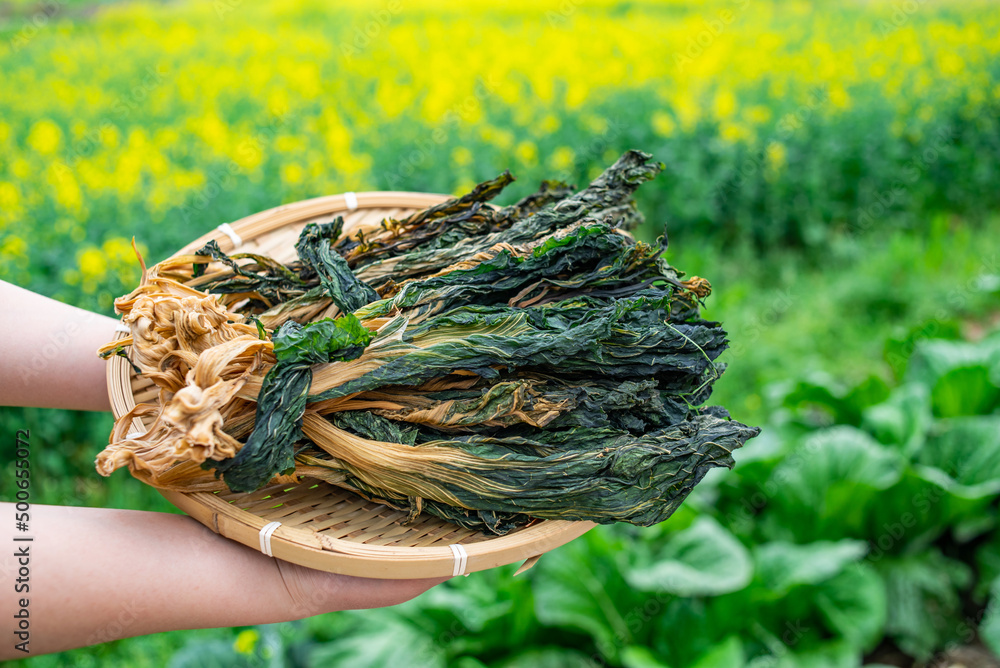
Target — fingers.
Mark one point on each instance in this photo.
(312, 592)
(393, 592)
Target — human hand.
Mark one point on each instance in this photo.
(312, 592)
(100, 574)
(50, 358)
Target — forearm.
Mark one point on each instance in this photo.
(97, 575)
(49, 353)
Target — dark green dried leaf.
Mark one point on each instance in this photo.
(282, 399)
(326, 340)
(561, 362)
(320, 260)
(607, 198)
(602, 475)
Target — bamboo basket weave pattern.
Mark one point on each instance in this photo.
(323, 526)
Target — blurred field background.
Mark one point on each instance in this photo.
(832, 168)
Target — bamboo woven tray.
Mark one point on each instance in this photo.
(323, 526)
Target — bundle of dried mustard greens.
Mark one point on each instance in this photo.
(487, 365)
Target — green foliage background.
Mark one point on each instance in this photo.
(832, 168)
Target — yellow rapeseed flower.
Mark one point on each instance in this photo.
(688, 111)
(724, 104)
(10, 198)
(550, 123)
(146, 129)
(663, 123)
(290, 143)
(45, 137)
(839, 97)
(13, 247)
(758, 114)
(733, 132)
(92, 267)
(562, 158)
(595, 124)
(461, 156)
(292, 173)
(775, 160)
(246, 641)
(463, 187)
(67, 190)
(950, 63)
(527, 153)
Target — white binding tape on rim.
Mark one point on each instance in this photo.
(228, 230)
(122, 327)
(351, 200)
(461, 559)
(265, 537)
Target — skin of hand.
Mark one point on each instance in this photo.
(50, 353)
(100, 574)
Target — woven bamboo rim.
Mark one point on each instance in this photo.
(322, 526)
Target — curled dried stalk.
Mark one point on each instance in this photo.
(200, 356)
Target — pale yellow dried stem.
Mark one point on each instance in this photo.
(199, 355)
(409, 470)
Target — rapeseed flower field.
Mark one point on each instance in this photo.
(780, 122)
